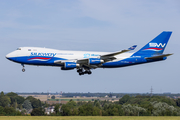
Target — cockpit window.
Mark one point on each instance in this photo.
(18, 48)
(29, 49)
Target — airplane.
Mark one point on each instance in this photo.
(85, 61)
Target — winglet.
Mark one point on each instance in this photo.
(133, 47)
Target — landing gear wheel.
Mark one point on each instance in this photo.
(89, 72)
(23, 70)
(82, 72)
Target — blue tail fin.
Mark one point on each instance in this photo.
(156, 46)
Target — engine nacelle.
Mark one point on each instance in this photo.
(95, 61)
(70, 65)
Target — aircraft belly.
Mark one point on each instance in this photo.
(36, 60)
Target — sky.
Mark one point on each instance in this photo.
(89, 25)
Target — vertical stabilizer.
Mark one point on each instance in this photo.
(156, 46)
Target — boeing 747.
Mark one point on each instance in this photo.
(84, 61)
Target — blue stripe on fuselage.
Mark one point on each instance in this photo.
(28, 60)
(129, 61)
(124, 62)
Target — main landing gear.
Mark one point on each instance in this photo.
(23, 70)
(82, 72)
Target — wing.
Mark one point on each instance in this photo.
(102, 59)
(109, 57)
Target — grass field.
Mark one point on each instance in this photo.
(85, 118)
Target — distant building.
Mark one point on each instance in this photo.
(49, 110)
(106, 96)
(113, 96)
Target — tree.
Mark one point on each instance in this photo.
(36, 103)
(4, 100)
(2, 93)
(37, 112)
(27, 105)
(9, 111)
(66, 111)
(56, 109)
(163, 109)
(53, 97)
(115, 111)
(23, 111)
(86, 109)
(15, 98)
(15, 105)
(178, 102)
(96, 111)
(2, 111)
(133, 110)
(71, 104)
(124, 99)
(11, 94)
(75, 112)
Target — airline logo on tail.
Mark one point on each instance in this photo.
(153, 46)
(156, 45)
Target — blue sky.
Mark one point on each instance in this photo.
(94, 25)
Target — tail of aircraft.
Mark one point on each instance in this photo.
(156, 46)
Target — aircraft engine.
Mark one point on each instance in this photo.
(95, 61)
(69, 65)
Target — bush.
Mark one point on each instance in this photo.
(37, 112)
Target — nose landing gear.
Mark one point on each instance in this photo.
(23, 70)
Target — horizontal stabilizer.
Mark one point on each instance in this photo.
(158, 56)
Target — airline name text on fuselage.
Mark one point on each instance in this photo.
(43, 54)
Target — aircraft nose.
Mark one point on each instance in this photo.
(10, 55)
(7, 56)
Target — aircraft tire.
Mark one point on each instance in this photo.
(23, 70)
(89, 72)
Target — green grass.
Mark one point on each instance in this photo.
(85, 118)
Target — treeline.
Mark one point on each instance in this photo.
(118, 95)
(11, 105)
(126, 106)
